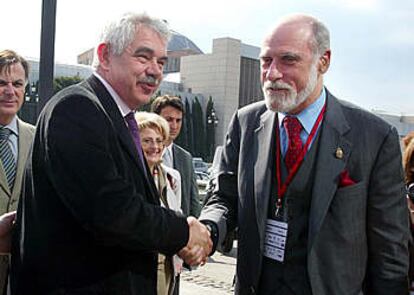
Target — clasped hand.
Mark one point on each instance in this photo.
(199, 244)
(6, 226)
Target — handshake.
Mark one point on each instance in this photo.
(199, 244)
(6, 227)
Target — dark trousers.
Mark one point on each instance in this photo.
(177, 285)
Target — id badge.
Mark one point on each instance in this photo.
(275, 239)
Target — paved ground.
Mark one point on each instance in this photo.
(215, 278)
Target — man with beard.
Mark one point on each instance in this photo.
(90, 220)
(314, 184)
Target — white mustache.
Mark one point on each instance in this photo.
(150, 80)
(277, 84)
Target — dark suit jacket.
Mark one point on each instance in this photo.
(183, 162)
(357, 241)
(89, 221)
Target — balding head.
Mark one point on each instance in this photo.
(315, 31)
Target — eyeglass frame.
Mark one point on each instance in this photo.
(150, 141)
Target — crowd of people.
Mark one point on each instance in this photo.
(107, 203)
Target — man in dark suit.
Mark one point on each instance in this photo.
(313, 184)
(90, 220)
(171, 109)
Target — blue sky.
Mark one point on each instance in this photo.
(372, 41)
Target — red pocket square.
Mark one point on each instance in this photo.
(345, 179)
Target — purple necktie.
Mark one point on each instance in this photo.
(133, 129)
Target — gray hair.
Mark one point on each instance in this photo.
(121, 32)
(321, 39)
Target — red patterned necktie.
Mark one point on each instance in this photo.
(293, 129)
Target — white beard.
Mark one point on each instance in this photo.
(286, 102)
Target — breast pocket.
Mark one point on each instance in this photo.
(351, 190)
(348, 209)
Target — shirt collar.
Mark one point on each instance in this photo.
(309, 115)
(169, 148)
(12, 126)
(123, 108)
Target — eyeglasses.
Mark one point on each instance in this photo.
(148, 142)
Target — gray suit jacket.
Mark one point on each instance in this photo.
(183, 162)
(358, 235)
(8, 199)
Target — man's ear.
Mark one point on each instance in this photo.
(103, 53)
(324, 62)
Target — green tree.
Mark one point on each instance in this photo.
(211, 122)
(182, 139)
(189, 125)
(199, 132)
(64, 81)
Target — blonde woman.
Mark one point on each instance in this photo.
(154, 131)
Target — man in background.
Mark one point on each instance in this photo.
(171, 109)
(15, 138)
(314, 184)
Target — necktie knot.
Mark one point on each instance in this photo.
(4, 133)
(292, 125)
(293, 128)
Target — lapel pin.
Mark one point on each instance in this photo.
(339, 153)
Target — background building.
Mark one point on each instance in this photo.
(403, 123)
(86, 58)
(230, 74)
(178, 47)
(60, 70)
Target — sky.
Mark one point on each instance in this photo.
(372, 41)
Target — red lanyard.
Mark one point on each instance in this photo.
(282, 187)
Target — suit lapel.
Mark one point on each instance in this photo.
(25, 140)
(262, 147)
(120, 126)
(112, 110)
(328, 165)
(3, 181)
(176, 155)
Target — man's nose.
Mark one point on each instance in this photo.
(273, 72)
(9, 89)
(155, 69)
